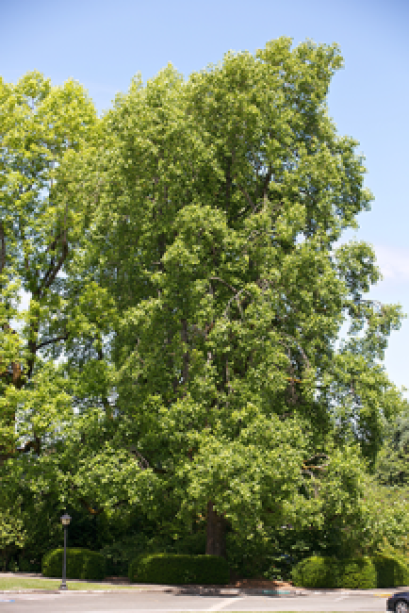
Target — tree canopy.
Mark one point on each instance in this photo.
(202, 299)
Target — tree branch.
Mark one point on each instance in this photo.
(89, 508)
(245, 194)
(144, 461)
(266, 182)
(3, 254)
(233, 289)
(53, 270)
(236, 298)
(63, 337)
(186, 355)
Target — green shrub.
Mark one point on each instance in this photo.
(133, 568)
(325, 572)
(93, 566)
(119, 554)
(52, 563)
(391, 571)
(271, 555)
(248, 557)
(81, 564)
(313, 572)
(358, 573)
(179, 569)
(29, 566)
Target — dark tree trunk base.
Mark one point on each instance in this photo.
(216, 533)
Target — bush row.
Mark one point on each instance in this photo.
(81, 564)
(382, 570)
(353, 573)
(150, 568)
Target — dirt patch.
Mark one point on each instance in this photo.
(117, 580)
(262, 584)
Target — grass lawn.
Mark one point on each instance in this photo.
(24, 583)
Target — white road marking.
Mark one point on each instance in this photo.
(37, 596)
(225, 603)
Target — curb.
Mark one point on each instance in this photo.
(201, 590)
(198, 590)
(171, 589)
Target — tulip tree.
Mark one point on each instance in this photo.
(219, 205)
(184, 260)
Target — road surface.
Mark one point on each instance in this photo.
(159, 602)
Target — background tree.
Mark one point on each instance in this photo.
(41, 126)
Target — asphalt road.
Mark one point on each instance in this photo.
(161, 602)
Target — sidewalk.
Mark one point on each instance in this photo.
(205, 590)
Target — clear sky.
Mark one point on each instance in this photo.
(103, 43)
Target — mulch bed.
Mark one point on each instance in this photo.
(262, 584)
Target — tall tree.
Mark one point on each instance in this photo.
(218, 206)
(48, 311)
(40, 126)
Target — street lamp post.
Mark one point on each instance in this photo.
(65, 520)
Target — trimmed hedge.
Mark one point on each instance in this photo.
(382, 570)
(359, 573)
(179, 569)
(391, 571)
(312, 572)
(353, 573)
(133, 568)
(94, 566)
(81, 564)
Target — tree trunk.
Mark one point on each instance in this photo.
(216, 533)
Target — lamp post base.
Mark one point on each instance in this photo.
(63, 586)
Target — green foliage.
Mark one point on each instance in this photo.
(123, 550)
(12, 534)
(313, 572)
(192, 544)
(179, 569)
(320, 572)
(27, 565)
(186, 293)
(248, 557)
(391, 571)
(392, 467)
(133, 568)
(118, 556)
(81, 564)
(120, 552)
(385, 519)
(42, 126)
(93, 566)
(227, 382)
(53, 560)
(271, 554)
(358, 573)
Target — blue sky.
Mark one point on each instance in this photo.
(103, 43)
